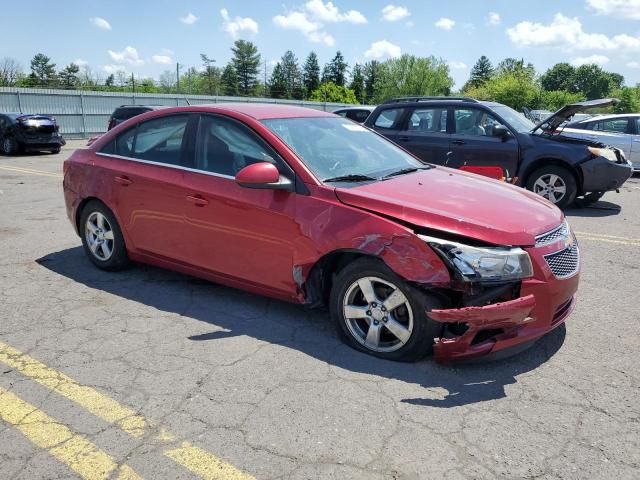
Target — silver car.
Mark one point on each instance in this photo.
(620, 131)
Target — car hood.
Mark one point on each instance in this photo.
(565, 113)
(458, 203)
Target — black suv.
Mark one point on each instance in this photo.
(125, 112)
(493, 139)
(21, 132)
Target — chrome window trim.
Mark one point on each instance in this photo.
(167, 165)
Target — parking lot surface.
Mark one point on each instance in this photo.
(152, 374)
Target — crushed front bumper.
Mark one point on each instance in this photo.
(603, 175)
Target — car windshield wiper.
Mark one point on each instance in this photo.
(404, 171)
(354, 177)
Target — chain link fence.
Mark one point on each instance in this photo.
(82, 113)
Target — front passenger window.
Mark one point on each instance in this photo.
(160, 139)
(388, 118)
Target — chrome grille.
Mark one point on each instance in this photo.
(553, 235)
(564, 263)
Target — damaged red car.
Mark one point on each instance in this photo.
(309, 207)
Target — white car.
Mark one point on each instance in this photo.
(620, 131)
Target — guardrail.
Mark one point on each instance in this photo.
(82, 114)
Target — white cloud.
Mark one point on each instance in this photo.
(238, 25)
(633, 64)
(458, 65)
(626, 9)
(565, 32)
(190, 19)
(110, 69)
(597, 59)
(162, 59)
(329, 13)
(311, 30)
(445, 23)
(100, 23)
(128, 55)
(382, 49)
(393, 13)
(80, 62)
(494, 18)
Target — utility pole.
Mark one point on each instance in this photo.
(265, 78)
(177, 78)
(133, 84)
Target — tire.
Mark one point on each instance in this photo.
(55, 150)
(544, 178)
(102, 237)
(413, 341)
(10, 146)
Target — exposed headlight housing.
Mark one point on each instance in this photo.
(484, 264)
(604, 152)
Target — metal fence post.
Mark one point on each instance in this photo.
(84, 115)
(19, 102)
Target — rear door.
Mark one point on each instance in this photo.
(424, 133)
(635, 145)
(143, 170)
(473, 143)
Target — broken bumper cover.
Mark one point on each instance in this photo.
(505, 325)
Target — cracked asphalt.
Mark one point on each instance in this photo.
(226, 384)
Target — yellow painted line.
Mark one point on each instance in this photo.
(88, 398)
(198, 461)
(72, 449)
(30, 171)
(608, 240)
(589, 234)
(204, 464)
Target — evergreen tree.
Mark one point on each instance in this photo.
(278, 82)
(311, 72)
(211, 74)
(481, 72)
(69, 76)
(246, 61)
(371, 73)
(229, 80)
(292, 74)
(357, 82)
(110, 80)
(43, 72)
(336, 70)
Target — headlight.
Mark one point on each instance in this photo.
(484, 263)
(604, 152)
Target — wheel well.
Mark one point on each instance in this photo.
(318, 284)
(81, 206)
(541, 162)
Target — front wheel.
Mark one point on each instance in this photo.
(10, 146)
(102, 237)
(556, 184)
(55, 150)
(379, 313)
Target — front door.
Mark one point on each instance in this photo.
(473, 143)
(241, 233)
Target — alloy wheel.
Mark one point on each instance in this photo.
(378, 314)
(99, 236)
(550, 186)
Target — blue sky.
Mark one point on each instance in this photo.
(148, 37)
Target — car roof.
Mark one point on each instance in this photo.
(149, 107)
(258, 111)
(14, 115)
(452, 100)
(359, 107)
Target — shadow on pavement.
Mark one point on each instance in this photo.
(238, 313)
(595, 210)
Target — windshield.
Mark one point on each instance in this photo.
(336, 147)
(516, 120)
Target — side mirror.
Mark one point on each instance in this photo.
(501, 131)
(263, 175)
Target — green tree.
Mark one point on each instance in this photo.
(229, 80)
(311, 72)
(278, 82)
(593, 81)
(513, 89)
(109, 81)
(411, 75)
(562, 76)
(246, 61)
(43, 72)
(629, 100)
(556, 99)
(330, 92)
(371, 73)
(336, 70)
(513, 66)
(10, 71)
(292, 74)
(357, 82)
(69, 76)
(481, 72)
(211, 74)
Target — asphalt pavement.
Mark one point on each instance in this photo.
(152, 374)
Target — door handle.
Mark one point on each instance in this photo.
(197, 200)
(123, 180)
(404, 138)
(458, 142)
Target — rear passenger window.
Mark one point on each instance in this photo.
(388, 118)
(160, 139)
(614, 125)
(428, 120)
(358, 115)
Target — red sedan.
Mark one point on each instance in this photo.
(309, 207)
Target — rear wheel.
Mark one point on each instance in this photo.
(556, 184)
(55, 150)
(10, 146)
(102, 237)
(379, 313)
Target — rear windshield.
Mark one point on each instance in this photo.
(127, 113)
